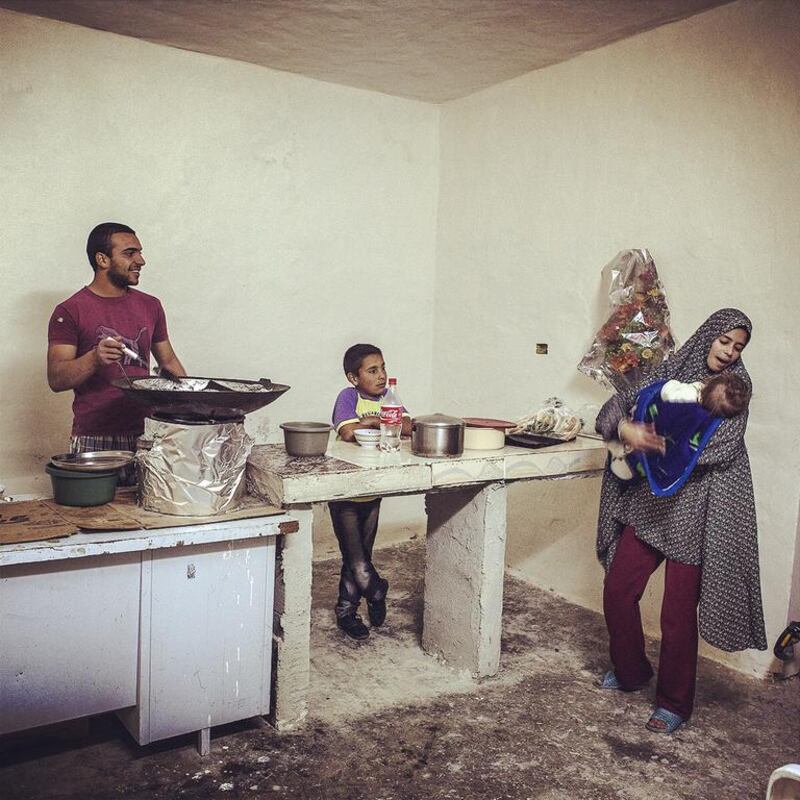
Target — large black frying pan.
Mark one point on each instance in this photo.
(217, 402)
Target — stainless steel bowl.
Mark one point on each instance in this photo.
(437, 436)
(306, 438)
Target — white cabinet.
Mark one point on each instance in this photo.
(69, 635)
(170, 628)
(205, 644)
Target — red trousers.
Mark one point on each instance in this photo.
(633, 564)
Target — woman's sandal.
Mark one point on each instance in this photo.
(662, 720)
(610, 682)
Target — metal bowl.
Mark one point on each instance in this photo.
(306, 438)
(94, 461)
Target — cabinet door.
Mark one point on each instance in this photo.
(210, 635)
(68, 639)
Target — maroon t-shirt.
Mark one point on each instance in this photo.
(82, 321)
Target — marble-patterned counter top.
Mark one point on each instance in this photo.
(348, 470)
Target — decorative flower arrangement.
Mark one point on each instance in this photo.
(636, 338)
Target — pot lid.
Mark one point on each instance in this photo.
(439, 421)
(482, 422)
(94, 461)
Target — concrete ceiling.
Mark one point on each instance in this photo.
(432, 50)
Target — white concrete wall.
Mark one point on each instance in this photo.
(282, 219)
(684, 140)
(272, 208)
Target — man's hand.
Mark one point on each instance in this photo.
(641, 437)
(109, 350)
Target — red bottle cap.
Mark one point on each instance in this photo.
(392, 381)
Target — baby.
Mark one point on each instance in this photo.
(720, 396)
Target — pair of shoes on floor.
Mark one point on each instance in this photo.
(610, 682)
(662, 720)
(376, 609)
(353, 626)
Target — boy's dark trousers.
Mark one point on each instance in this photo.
(355, 526)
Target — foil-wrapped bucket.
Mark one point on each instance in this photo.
(192, 470)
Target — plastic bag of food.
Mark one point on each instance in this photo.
(636, 337)
(554, 420)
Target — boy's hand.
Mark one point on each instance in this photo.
(347, 432)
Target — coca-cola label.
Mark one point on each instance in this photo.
(391, 415)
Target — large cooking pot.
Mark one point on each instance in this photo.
(437, 436)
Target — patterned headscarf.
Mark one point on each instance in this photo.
(690, 362)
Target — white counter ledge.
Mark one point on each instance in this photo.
(348, 470)
(81, 545)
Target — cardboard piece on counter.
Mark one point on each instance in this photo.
(31, 521)
(125, 503)
(35, 520)
(96, 518)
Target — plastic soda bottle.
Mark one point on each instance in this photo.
(391, 419)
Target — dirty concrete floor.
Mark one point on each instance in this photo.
(390, 723)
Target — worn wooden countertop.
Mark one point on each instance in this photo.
(47, 531)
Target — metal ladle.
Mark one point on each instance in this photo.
(127, 377)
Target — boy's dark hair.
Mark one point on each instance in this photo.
(99, 240)
(356, 354)
(725, 395)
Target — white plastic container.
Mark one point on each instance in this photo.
(484, 438)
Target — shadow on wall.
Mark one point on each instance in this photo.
(37, 422)
(551, 536)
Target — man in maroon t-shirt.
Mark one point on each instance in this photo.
(89, 334)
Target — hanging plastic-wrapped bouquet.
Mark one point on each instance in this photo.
(637, 337)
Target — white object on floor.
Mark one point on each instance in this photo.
(784, 783)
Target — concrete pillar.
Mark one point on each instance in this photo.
(464, 576)
(292, 624)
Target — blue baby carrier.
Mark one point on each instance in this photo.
(687, 428)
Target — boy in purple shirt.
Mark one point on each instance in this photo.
(355, 522)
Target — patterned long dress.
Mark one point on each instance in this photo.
(712, 520)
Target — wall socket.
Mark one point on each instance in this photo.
(541, 349)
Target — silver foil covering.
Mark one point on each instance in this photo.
(192, 470)
(167, 385)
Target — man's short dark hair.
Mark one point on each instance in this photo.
(99, 240)
(356, 354)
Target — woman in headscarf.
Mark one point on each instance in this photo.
(706, 533)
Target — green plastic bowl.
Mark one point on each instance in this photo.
(71, 488)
